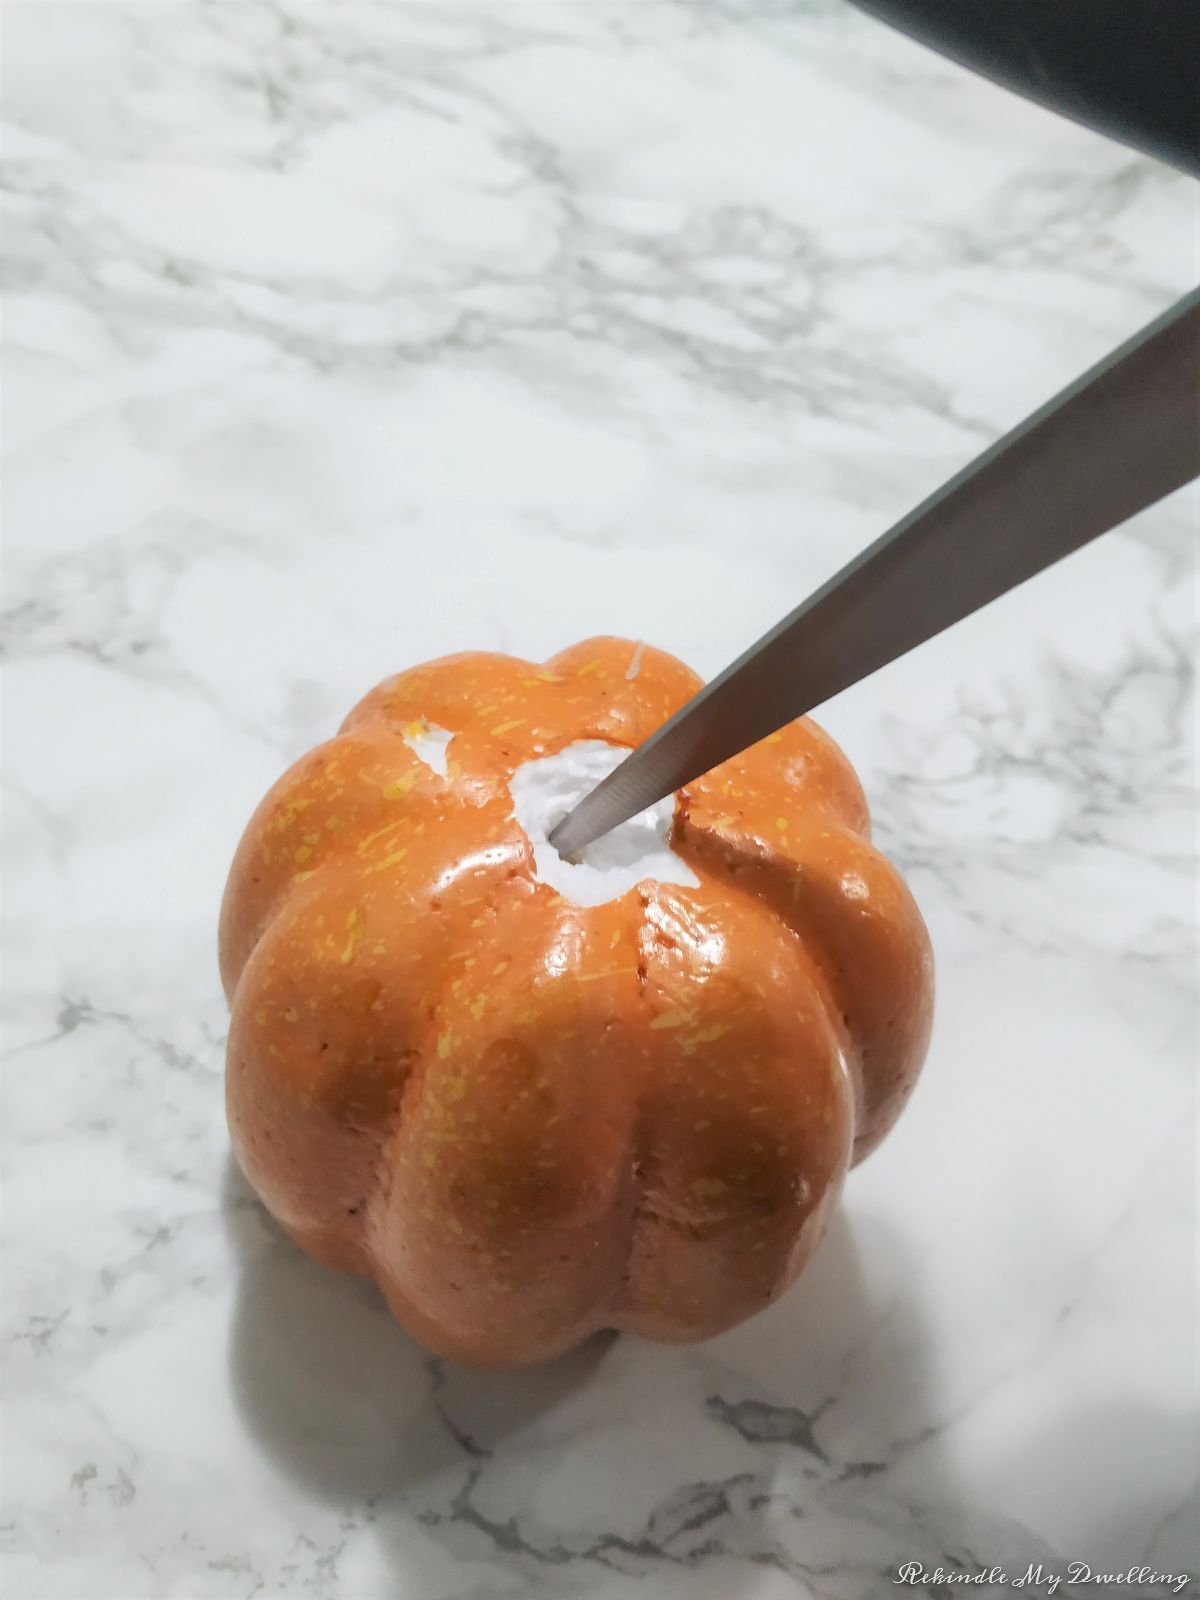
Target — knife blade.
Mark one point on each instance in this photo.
(1119, 438)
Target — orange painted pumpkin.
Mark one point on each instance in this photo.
(526, 1118)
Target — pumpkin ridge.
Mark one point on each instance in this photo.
(425, 1053)
(880, 1049)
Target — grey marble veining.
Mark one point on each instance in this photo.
(338, 337)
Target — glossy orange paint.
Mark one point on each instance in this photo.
(529, 1119)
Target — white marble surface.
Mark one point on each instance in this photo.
(343, 336)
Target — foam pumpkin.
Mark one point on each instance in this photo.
(535, 1098)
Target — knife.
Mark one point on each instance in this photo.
(1115, 441)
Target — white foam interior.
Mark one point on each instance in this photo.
(544, 790)
(428, 743)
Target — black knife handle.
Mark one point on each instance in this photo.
(1129, 69)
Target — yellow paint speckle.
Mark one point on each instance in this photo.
(303, 877)
(707, 1035)
(445, 1044)
(671, 1019)
(260, 1017)
(354, 937)
(389, 860)
(478, 1005)
(289, 814)
(304, 852)
(331, 823)
(507, 727)
(365, 844)
(709, 1188)
(615, 940)
(773, 738)
(454, 1088)
(501, 966)
(589, 667)
(291, 1015)
(398, 789)
(704, 1036)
